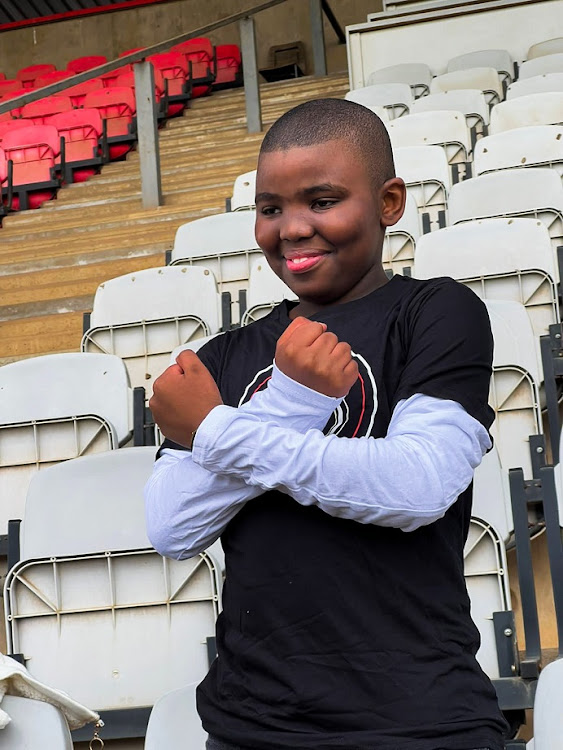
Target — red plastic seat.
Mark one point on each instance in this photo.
(80, 64)
(2, 76)
(6, 87)
(229, 66)
(16, 111)
(53, 77)
(108, 79)
(128, 79)
(42, 109)
(78, 92)
(200, 57)
(7, 126)
(33, 151)
(82, 131)
(117, 107)
(174, 68)
(6, 116)
(28, 75)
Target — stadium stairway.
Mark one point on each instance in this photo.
(52, 259)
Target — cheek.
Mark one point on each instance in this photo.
(266, 234)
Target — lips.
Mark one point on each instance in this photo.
(301, 263)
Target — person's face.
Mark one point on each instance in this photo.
(320, 222)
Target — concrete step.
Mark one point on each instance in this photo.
(45, 334)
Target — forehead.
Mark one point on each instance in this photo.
(334, 162)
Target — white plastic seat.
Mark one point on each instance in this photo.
(541, 65)
(522, 111)
(265, 291)
(142, 316)
(400, 240)
(446, 128)
(396, 98)
(543, 84)
(484, 79)
(548, 708)
(536, 146)
(548, 47)
(417, 75)
(55, 408)
(244, 192)
(533, 192)
(426, 173)
(499, 59)
(34, 724)
(194, 346)
(471, 102)
(500, 259)
(94, 608)
(174, 722)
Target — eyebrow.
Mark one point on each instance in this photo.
(325, 187)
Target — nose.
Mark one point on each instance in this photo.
(295, 226)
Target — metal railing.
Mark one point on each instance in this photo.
(145, 93)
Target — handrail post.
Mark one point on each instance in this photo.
(147, 131)
(250, 72)
(318, 37)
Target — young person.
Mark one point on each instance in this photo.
(331, 446)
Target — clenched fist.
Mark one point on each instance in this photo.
(307, 353)
(183, 396)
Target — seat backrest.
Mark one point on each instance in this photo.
(32, 135)
(51, 105)
(117, 101)
(171, 64)
(417, 75)
(34, 724)
(78, 92)
(265, 290)
(486, 79)
(128, 79)
(542, 65)
(6, 126)
(535, 146)
(6, 87)
(499, 59)
(535, 85)
(78, 124)
(505, 259)
(548, 707)
(427, 175)
(228, 53)
(80, 64)
(548, 47)
(400, 240)
(53, 77)
(244, 192)
(534, 109)
(471, 102)
(396, 97)
(3, 167)
(199, 49)
(447, 128)
(174, 722)
(28, 75)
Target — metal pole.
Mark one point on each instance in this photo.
(318, 37)
(250, 71)
(147, 132)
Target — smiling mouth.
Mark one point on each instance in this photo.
(303, 263)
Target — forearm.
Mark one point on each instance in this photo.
(405, 480)
(187, 506)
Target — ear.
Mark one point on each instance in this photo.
(393, 197)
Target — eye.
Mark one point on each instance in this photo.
(322, 203)
(270, 210)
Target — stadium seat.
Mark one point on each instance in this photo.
(486, 80)
(244, 192)
(34, 151)
(471, 102)
(77, 93)
(82, 130)
(536, 146)
(499, 59)
(224, 243)
(426, 173)
(7, 87)
(143, 316)
(128, 80)
(548, 708)
(13, 94)
(174, 722)
(118, 612)
(400, 240)
(549, 47)
(202, 64)
(229, 66)
(446, 128)
(536, 193)
(58, 407)
(265, 291)
(81, 64)
(53, 77)
(175, 71)
(6, 126)
(397, 98)
(536, 85)
(533, 109)
(40, 111)
(417, 75)
(28, 75)
(542, 65)
(116, 106)
(34, 724)
(108, 79)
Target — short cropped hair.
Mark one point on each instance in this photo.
(322, 120)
